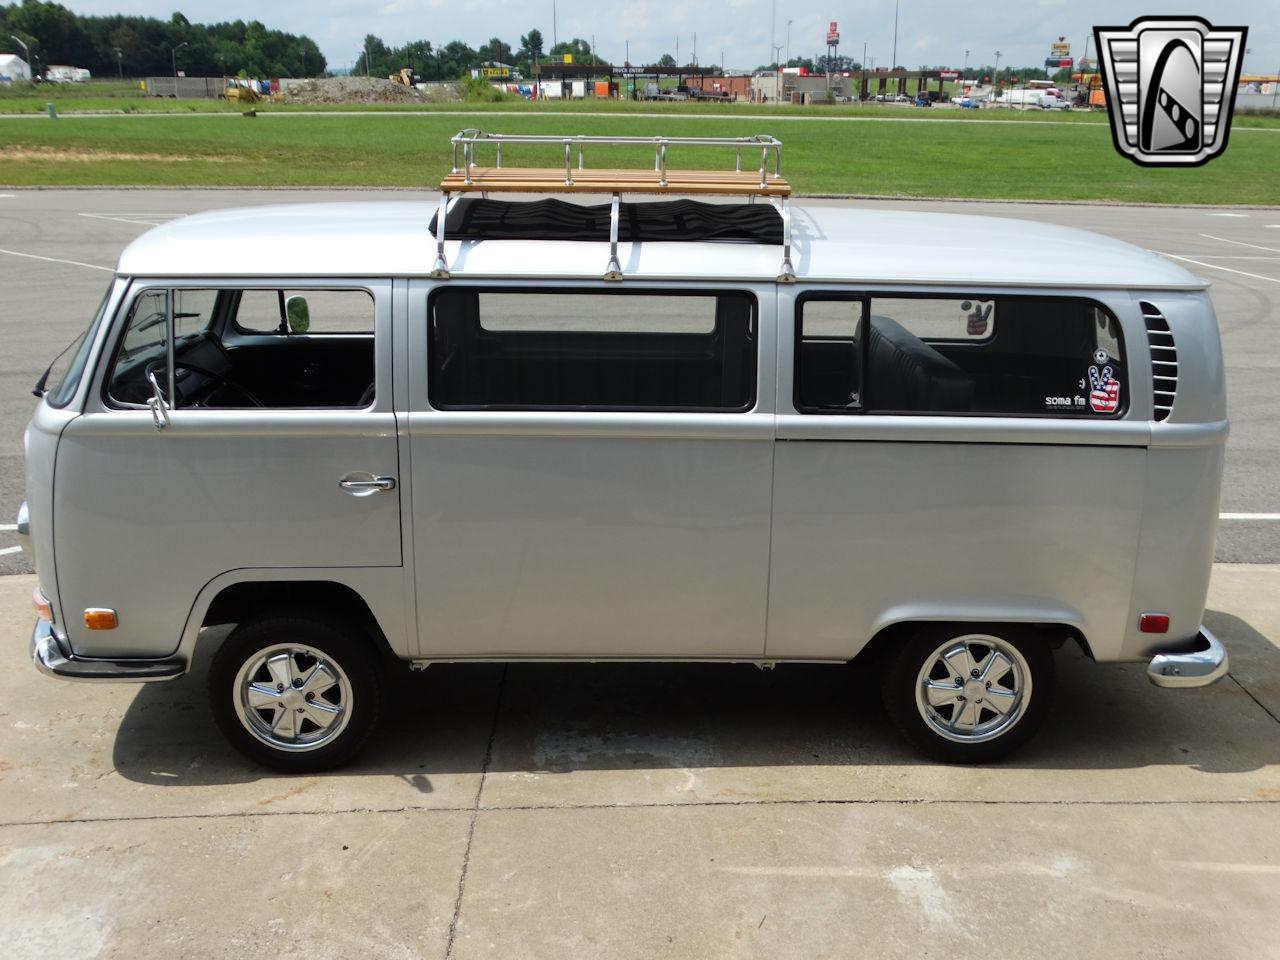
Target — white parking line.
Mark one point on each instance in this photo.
(8, 527)
(1249, 516)
(1228, 214)
(1214, 266)
(140, 223)
(74, 263)
(1240, 243)
(6, 196)
(8, 550)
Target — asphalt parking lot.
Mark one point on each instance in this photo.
(638, 811)
(58, 247)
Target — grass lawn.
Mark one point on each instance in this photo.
(1072, 159)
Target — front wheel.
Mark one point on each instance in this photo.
(969, 693)
(295, 694)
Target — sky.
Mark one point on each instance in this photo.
(934, 32)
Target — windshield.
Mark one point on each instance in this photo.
(68, 366)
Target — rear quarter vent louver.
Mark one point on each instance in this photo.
(1164, 362)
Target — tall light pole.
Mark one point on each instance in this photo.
(966, 64)
(864, 55)
(555, 39)
(894, 65)
(773, 31)
(789, 22)
(995, 77)
(120, 62)
(366, 57)
(173, 56)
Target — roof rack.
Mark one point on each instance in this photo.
(467, 176)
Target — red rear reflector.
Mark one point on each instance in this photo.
(1154, 623)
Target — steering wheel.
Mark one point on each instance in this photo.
(216, 377)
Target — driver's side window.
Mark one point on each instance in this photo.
(144, 349)
(247, 348)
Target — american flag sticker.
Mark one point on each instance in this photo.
(1106, 399)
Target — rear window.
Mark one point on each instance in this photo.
(976, 355)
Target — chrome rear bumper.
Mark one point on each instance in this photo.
(52, 658)
(1196, 668)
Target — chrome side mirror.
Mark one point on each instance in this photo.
(297, 314)
(157, 404)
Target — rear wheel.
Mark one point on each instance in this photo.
(295, 694)
(969, 693)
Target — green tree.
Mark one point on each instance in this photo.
(530, 51)
(496, 51)
(666, 60)
(578, 48)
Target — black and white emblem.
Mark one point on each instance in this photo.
(1171, 86)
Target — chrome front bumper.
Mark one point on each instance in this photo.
(52, 658)
(1204, 665)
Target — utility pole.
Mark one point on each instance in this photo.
(789, 23)
(555, 38)
(366, 58)
(695, 48)
(995, 77)
(173, 57)
(894, 65)
(773, 31)
(120, 62)
(966, 63)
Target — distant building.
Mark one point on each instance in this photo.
(13, 67)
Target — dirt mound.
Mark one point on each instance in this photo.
(351, 90)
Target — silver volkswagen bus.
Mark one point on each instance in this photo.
(733, 430)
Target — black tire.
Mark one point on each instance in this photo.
(902, 673)
(336, 646)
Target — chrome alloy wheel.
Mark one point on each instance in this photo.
(973, 688)
(292, 697)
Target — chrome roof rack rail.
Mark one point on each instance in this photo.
(468, 176)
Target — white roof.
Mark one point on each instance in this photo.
(847, 245)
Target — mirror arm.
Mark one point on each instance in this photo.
(159, 409)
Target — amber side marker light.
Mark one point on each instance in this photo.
(44, 609)
(100, 618)
(1154, 623)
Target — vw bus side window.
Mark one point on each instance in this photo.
(562, 349)
(829, 355)
(326, 312)
(1014, 356)
(219, 364)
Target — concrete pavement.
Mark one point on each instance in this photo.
(650, 811)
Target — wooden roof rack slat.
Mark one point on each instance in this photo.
(467, 176)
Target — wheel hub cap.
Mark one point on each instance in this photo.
(973, 688)
(293, 697)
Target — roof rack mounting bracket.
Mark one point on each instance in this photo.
(786, 272)
(614, 270)
(440, 270)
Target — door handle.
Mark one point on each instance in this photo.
(363, 484)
